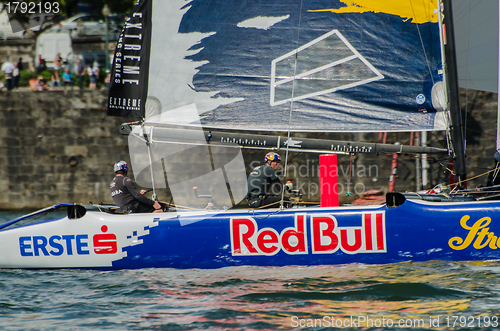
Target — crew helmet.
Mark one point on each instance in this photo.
(272, 156)
(121, 165)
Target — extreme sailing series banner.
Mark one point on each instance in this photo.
(129, 74)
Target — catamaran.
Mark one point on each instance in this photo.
(198, 73)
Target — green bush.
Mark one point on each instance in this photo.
(24, 79)
(45, 74)
(26, 75)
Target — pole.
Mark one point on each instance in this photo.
(106, 12)
(456, 127)
(394, 170)
(498, 94)
(418, 166)
(425, 163)
(107, 45)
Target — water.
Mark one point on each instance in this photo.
(425, 295)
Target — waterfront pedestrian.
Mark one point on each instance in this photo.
(42, 84)
(16, 75)
(42, 65)
(127, 197)
(33, 83)
(55, 80)
(8, 69)
(19, 68)
(20, 64)
(80, 72)
(58, 61)
(93, 72)
(67, 77)
(107, 80)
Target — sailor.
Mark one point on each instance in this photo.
(263, 182)
(127, 197)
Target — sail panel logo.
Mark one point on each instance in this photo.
(326, 236)
(69, 244)
(420, 99)
(478, 236)
(325, 65)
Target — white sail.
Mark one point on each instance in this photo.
(476, 25)
(476, 43)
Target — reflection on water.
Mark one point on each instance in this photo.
(281, 297)
(18, 219)
(251, 297)
(8, 215)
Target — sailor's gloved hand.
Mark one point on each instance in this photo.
(289, 186)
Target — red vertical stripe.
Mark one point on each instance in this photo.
(444, 34)
(345, 243)
(329, 181)
(380, 232)
(394, 167)
(368, 232)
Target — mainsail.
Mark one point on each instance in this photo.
(245, 64)
(289, 66)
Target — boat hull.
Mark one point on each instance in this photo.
(415, 230)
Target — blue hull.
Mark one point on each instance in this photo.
(415, 230)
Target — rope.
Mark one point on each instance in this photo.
(495, 174)
(291, 108)
(465, 180)
(302, 202)
(422, 43)
(265, 206)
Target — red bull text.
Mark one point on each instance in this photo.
(326, 236)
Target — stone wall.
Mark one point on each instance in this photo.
(60, 147)
(19, 48)
(56, 147)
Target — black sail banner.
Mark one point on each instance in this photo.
(130, 70)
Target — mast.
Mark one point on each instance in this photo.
(498, 89)
(456, 127)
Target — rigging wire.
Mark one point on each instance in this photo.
(496, 169)
(350, 176)
(291, 104)
(448, 134)
(150, 142)
(422, 42)
(464, 132)
(445, 70)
